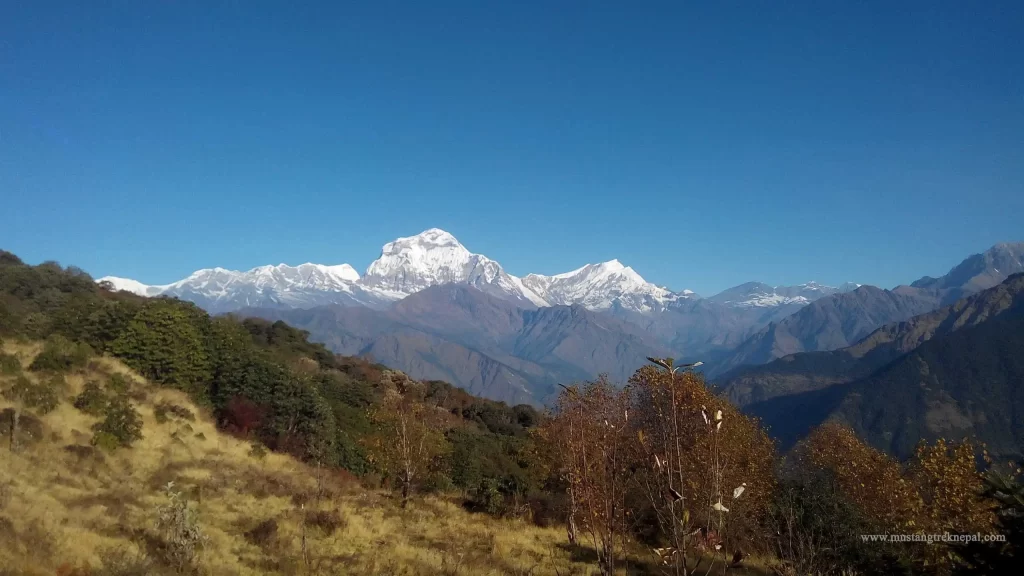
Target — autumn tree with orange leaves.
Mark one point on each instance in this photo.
(940, 490)
(589, 432)
(665, 449)
(409, 437)
(705, 468)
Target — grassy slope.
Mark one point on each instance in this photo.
(57, 508)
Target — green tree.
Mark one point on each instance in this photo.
(121, 424)
(409, 438)
(166, 343)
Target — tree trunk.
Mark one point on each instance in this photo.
(14, 427)
(406, 485)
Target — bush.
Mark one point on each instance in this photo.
(179, 524)
(26, 428)
(263, 534)
(119, 384)
(258, 451)
(92, 400)
(42, 397)
(9, 364)
(163, 409)
(61, 355)
(488, 498)
(121, 425)
(329, 521)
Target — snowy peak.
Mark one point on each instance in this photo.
(435, 257)
(222, 290)
(406, 266)
(133, 286)
(602, 286)
(761, 295)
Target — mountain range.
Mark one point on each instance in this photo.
(434, 309)
(954, 372)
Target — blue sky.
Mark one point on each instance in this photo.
(703, 143)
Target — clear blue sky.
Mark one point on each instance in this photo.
(703, 143)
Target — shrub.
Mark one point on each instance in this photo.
(92, 400)
(60, 355)
(9, 364)
(179, 524)
(119, 384)
(121, 425)
(263, 534)
(42, 397)
(329, 521)
(258, 451)
(25, 427)
(488, 497)
(165, 409)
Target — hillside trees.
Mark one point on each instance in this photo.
(590, 433)
(667, 452)
(267, 382)
(166, 342)
(939, 490)
(409, 435)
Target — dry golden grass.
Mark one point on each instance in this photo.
(59, 507)
(62, 509)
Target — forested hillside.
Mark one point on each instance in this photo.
(954, 372)
(146, 424)
(265, 381)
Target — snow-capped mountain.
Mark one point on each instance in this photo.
(133, 286)
(603, 286)
(435, 257)
(220, 290)
(761, 295)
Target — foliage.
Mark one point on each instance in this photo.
(263, 533)
(816, 530)
(179, 525)
(163, 411)
(92, 399)
(665, 458)
(938, 491)
(264, 381)
(591, 433)
(121, 424)
(42, 396)
(61, 355)
(165, 342)
(694, 452)
(257, 451)
(123, 561)
(1007, 492)
(871, 480)
(946, 476)
(9, 364)
(409, 439)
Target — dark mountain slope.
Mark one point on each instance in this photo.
(978, 272)
(955, 372)
(809, 371)
(701, 329)
(969, 383)
(481, 343)
(828, 324)
(840, 320)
